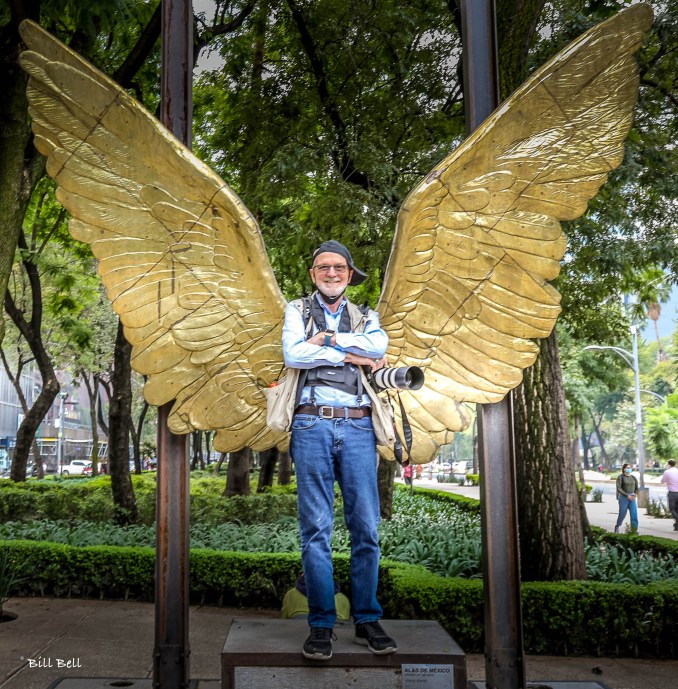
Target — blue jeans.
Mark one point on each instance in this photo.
(626, 505)
(343, 449)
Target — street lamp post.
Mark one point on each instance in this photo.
(60, 435)
(661, 398)
(639, 417)
(631, 358)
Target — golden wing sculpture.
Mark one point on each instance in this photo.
(182, 259)
(466, 288)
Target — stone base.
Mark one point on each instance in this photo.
(267, 653)
(109, 682)
(549, 685)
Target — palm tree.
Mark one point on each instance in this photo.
(653, 289)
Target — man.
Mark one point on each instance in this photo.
(333, 438)
(670, 478)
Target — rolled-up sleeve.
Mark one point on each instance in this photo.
(298, 353)
(372, 342)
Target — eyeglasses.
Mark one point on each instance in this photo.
(338, 269)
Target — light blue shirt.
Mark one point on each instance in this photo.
(299, 353)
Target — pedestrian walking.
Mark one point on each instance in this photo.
(670, 478)
(627, 489)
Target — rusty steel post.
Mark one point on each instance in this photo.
(172, 650)
(504, 652)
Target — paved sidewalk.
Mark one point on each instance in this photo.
(602, 514)
(114, 640)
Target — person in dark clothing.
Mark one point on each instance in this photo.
(627, 489)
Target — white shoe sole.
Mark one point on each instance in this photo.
(315, 656)
(383, 652)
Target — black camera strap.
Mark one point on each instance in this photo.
(313, 314)
(407, 433)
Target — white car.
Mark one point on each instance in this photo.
(76, 467)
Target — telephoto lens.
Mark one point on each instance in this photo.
(402, 377)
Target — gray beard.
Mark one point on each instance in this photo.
(327, 299)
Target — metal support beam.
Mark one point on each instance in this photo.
(503, 622)
(171, 652)
(504, 653)
(479, 58)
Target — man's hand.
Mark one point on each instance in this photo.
(374, 364)
(319, 339)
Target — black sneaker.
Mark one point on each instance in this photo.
(318, 646)
(371, 634)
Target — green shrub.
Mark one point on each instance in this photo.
(597, 495)
(575, 618)
(437, 497)
(91, 500)
(659, 509)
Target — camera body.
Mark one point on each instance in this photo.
(401, 377)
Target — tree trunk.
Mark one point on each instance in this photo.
(198, 459)
(551, 534)
(25, 436)
(119, 427)
(136, 431)
(267, 460)
(238, 474)
(20, 164)
(516, 27)
(284, 469)
(93, 395)
(601, 441)
(386, 472)
(220, 461)
(136, 447)
(586, 446)
(16, 383)
(101, 418)
(586, 526)
(31, 332)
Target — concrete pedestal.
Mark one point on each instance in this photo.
(267, 653)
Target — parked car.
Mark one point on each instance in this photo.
(76, 467)
(462, 467)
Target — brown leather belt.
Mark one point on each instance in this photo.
(326, 412)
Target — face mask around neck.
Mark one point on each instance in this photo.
(330, 300)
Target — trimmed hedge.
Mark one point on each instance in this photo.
(573, 618)
(78, 500)
(463, 502)
(658, 546)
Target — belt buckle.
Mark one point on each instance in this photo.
(326, 415)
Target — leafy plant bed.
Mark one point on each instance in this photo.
(567, 618)
(428, 528)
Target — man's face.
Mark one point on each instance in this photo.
(330, 274)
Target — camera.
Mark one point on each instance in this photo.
(403, 377)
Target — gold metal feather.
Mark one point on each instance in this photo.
(466, 289)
